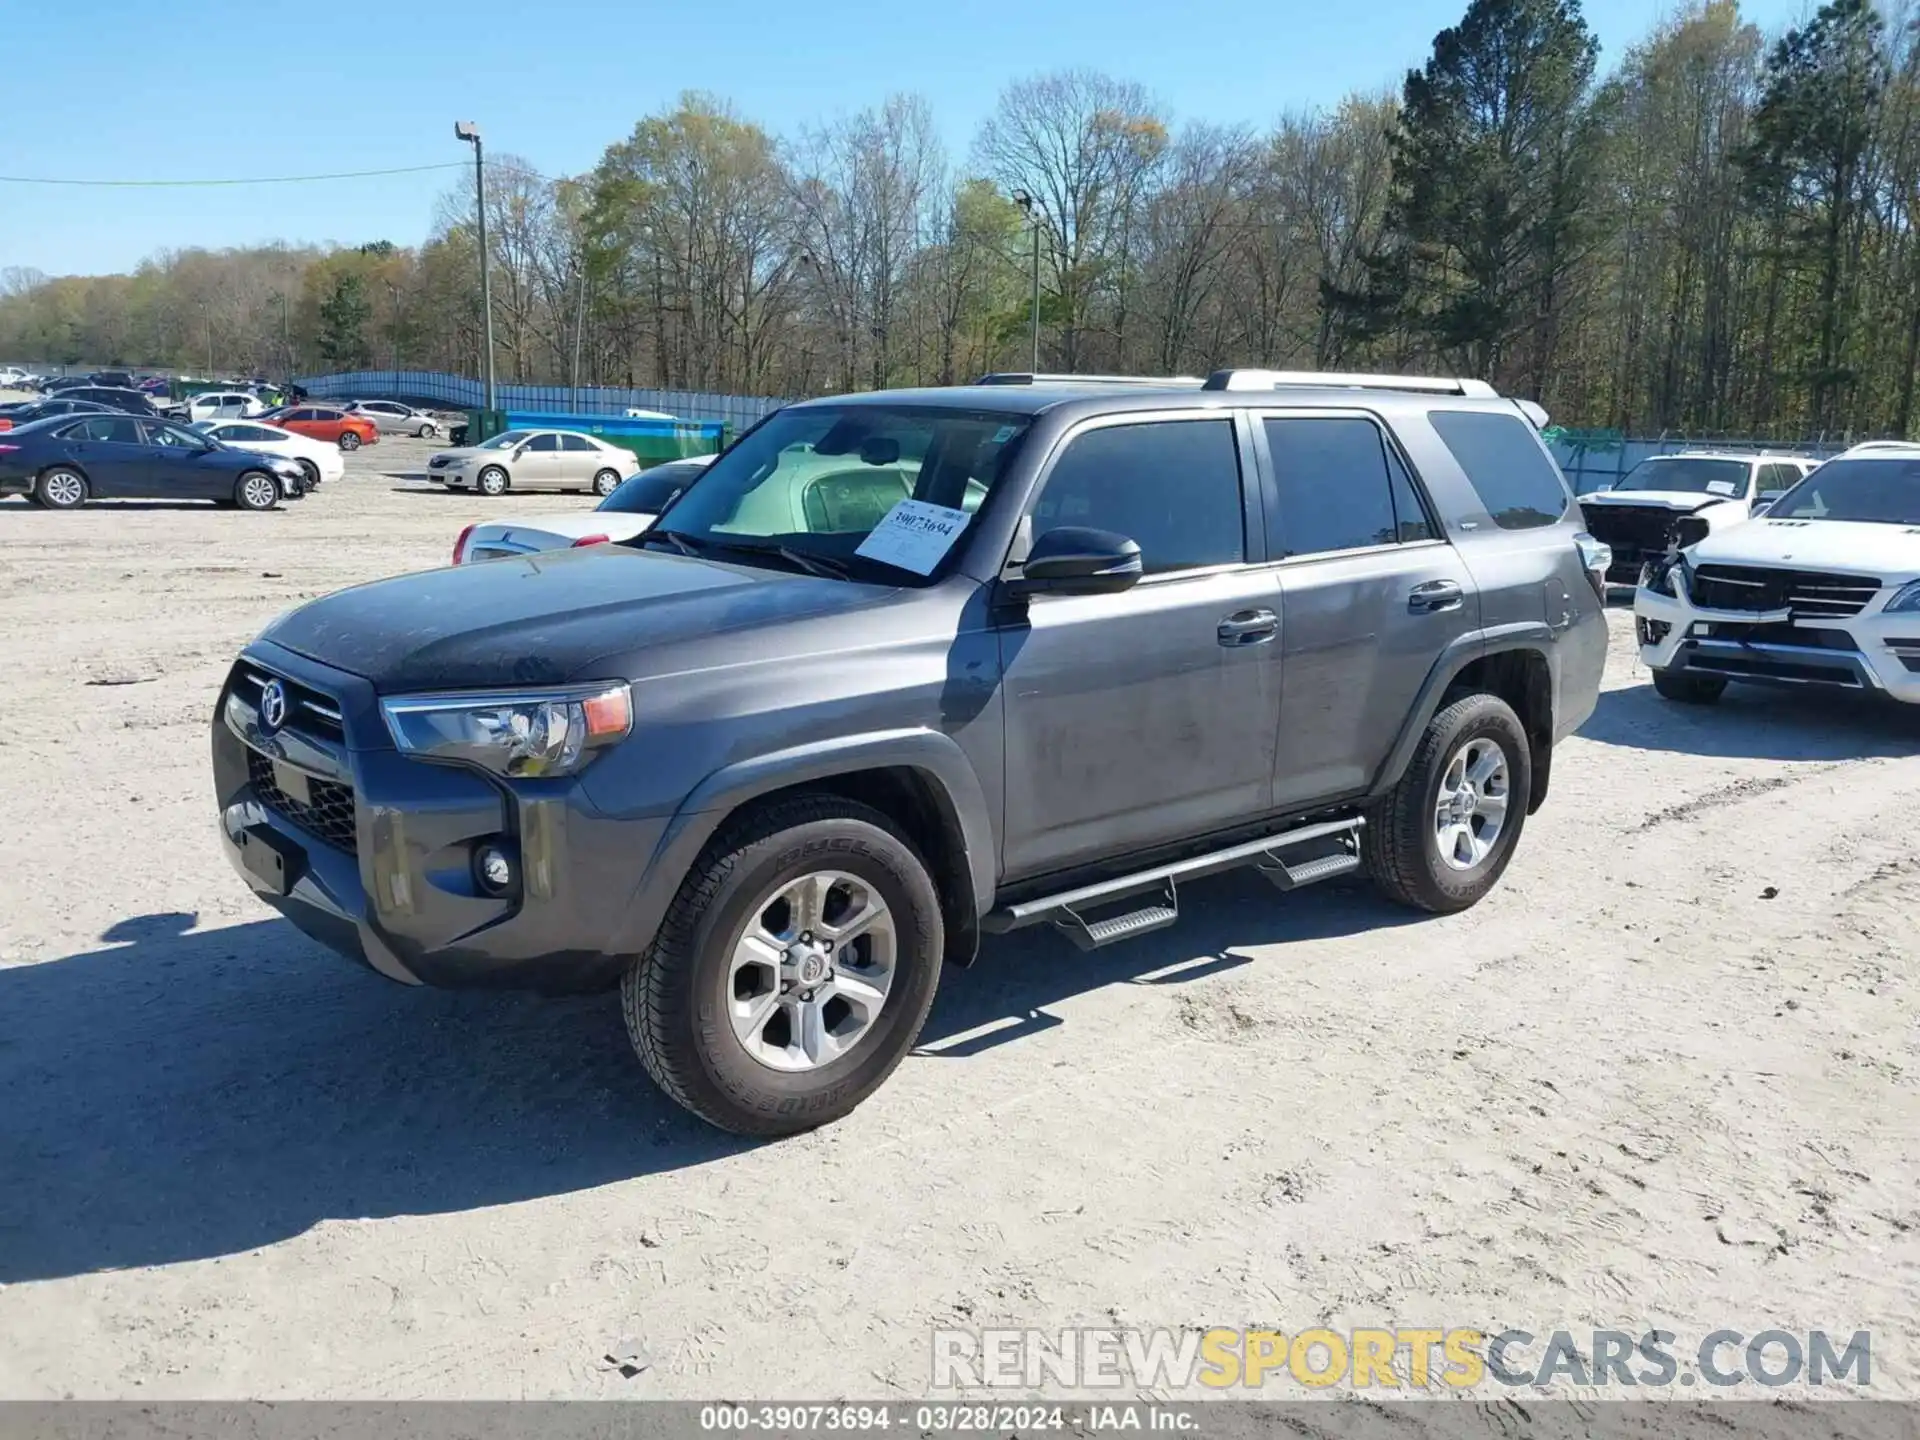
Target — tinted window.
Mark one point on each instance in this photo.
(1409, 513)
(1172, 485)
(1513, 476)
(174, 438)
(1877, 492)
(252, 433)
(648, 492)
(114, 429)
(576, 442)
(304, 415)
(544, 442)
(1335, 490)
(1779, 477)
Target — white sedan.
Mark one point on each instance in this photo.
(621, 516)
(320, 461)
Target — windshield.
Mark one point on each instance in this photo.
(818, 479)
(1687, 475)
(648, 492)
(507, 439)
(1878, 492)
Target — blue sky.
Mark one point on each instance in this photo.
(145, 89)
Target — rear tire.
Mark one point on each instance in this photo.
(605, 483)
(1689, 689)
(1430, 843)
(716, 1018)
(426, 432)
(491, 481)
(256, 490)
(349, 441)
(61, 487)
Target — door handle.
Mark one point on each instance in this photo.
(1434, 596)
(1249, 627)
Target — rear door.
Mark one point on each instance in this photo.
(1137, 719)
(1373, 595)
(110, 449)
(580, 459)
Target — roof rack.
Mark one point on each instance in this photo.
(1022, 377)
(1232, 379)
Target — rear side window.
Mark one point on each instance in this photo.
(575, 442)
(1340, 488)
(1171, 486)
(1504, 463)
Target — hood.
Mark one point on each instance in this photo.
(1678, 501)
(546, 618)
(468, 452)
(1888, 552)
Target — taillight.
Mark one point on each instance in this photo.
(6, 424)
(460, 545)
(591, 540)
(1596, 558)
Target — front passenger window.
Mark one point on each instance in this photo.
(1171, 486)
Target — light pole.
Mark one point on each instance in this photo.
(1025, 201)
(468, 131)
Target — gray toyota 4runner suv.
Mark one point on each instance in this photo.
(907, 667)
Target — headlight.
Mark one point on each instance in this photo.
(1657, 574)
(523, 733)
(1905, 600)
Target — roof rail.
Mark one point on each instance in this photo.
(1021, 377)
(1274, 379)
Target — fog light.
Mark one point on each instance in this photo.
(494, 867)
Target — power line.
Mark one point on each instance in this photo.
(254, 180)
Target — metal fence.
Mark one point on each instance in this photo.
(458, 392)
(1594, 460)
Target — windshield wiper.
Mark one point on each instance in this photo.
(824, 566)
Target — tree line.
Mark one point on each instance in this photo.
(1719, 235)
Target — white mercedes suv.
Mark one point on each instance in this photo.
(1823, 590)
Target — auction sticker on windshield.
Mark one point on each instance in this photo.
(914, 535)
(1721, 487)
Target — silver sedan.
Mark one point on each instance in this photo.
(534, 460)
(393, 418)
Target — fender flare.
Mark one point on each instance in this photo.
(934, 756)
(1534, 635)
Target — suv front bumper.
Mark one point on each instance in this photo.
(1872, 651)
(372, 853)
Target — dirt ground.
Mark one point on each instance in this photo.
(1665, 1075)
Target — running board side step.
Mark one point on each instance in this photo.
(1069, 910)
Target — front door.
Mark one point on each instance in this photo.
(1373, 596)
(1137, 719)
(539, 463)
(184, 467)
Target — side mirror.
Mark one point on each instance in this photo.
(1760, 507)
(1078, 560)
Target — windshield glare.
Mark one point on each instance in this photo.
(817, 479)
(1688, 476)
(507, 439)
(1877, 492)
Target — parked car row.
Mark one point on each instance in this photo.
(62, 462)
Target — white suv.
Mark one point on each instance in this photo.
(1669, 500)
(1822, 590)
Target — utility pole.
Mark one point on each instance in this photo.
(468, 131)
(1025, 202)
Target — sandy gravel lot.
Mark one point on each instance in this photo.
(1666, 1074)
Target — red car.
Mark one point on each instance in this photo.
(325, 422)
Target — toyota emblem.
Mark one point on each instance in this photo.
(273, 706)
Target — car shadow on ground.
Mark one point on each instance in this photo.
(174, 1095)
(1755, 723)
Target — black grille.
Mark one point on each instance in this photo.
(1789, 634)
(308, 711)
(1642, 529)
(1809, 594)
(328, 815)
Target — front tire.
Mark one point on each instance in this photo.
(256, 490)
(349, 441)
(793, 971)
(426, 432)
(491, 481)
(1689, 689)
(1444, 834)
(310, 472)
(605, 483)
(61, 488)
